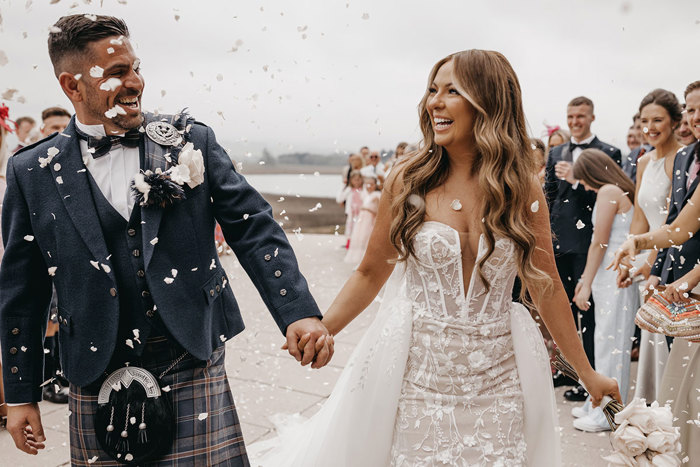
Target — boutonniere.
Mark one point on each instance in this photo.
(164, 188)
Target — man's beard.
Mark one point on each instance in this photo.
(124, 122)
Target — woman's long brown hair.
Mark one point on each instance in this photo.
(596, 169)
(505, 164)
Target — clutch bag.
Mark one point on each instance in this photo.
(680, 319)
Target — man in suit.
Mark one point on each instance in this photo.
(629, 163)
(137, 283)
(570, 208)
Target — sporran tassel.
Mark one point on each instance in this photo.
(143, 434)
(109, 438)
(123, 443)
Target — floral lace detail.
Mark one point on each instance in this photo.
(461, 403)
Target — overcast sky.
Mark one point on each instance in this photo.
(328, 75)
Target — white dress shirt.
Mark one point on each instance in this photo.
(577, 151)
(112, 172)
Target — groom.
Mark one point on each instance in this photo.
(137, 284)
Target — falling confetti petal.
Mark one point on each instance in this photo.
(534, 207)
(95, 264)
(3, 58)
(154, 241)
(173, 272)
(52, 270)
(96, 71)
(29, 238)
(92, 460)
(111, 84)
(168, 280)
(203, 416)
(130, 343)
(106, 268)
(165, 389)
(93, 348)
(580, 225)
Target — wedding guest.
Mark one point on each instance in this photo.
(364, 152)
(629, 162)
(556, 136)
(137, 276)
(398, 154)
(614, 309)
(633, 138)
(362, 229)
(351, 196)
(570, 214)
(684, 134)
(680, 271)
(54, 120)
(23, 127)
(374, 168)
(5, 129)
(540, 152)
(355, 162)
(661, 115)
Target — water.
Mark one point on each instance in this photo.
(323, 186)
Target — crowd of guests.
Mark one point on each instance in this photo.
(26, 132)
(597, 200)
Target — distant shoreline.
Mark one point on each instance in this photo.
(254, 168)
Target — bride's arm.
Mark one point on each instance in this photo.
(366, 282)
(553, 306)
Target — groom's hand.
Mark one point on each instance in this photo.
(316, 348)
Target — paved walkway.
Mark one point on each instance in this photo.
(265, 380)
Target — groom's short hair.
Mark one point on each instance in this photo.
(71, 35)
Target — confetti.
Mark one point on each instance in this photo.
(92, 460)
(154, 241)
(96, 71)
(166, 388)
(534, 207)
(129, 457)
(59, 180)
(245, 216)
(93, 348)
(57, 166)
(106, 268)
(169, 280)
(52, 270)
(78, 76)
(95, 264)
(580, 225)
(114, 111)
(29, 238)
(202, 416)
(110, 50)
(173, 272)
(213, 264)
(130, 343)
(111, 84)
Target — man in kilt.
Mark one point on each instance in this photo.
(118, 213)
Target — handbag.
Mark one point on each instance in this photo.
(680, 319)
(134, 421)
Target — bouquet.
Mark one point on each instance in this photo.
(642, 435)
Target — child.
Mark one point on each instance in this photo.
(362, 229)
(351, 196)
(614, 308)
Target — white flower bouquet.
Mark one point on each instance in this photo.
(642, 435)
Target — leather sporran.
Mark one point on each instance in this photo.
(134, 421)
(660, 316)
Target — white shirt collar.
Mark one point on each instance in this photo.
(91, 130)
(588, 140)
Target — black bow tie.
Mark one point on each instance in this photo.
(573, 146)
(99, 146)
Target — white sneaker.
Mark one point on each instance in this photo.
(593, 422)
(583, 410)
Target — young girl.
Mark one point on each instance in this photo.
(365, 223)
(614, 308)
(351, 196)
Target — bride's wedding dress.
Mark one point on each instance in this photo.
(444, 376)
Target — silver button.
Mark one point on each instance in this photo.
(14, 370)
(218, 288)
(278, 273)
(283, 292)
(113, 292)
(150, 313)
(13, 350)
(268, 257)
(15, 331)
(211, 292)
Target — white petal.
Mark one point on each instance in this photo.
(154, 241)
(203, 416)
(96, 71)
(168, 280)
(29, 238)
(52, 270)
(534, 207)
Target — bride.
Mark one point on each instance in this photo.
(451, 372)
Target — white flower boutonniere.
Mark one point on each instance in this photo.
(163, 189)
(192, 159)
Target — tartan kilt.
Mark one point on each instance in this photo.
(196, 387)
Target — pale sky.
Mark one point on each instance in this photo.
(326, 75)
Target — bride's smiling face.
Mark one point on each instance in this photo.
(452, 115)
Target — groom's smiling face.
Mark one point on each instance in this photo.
(112, 85)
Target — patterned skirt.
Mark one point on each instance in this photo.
(207, 429)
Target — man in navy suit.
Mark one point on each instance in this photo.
(570, 207)
(137, 283)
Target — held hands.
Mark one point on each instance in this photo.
(308, 341)
(677, 292)
(598, 386)
(24, 425)
(564, 171)
(582, 296)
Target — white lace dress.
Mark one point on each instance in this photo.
(443, 377)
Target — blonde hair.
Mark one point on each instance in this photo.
(504, 164)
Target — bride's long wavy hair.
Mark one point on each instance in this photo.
(505, 163)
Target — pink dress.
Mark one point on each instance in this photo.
(363, 228)
(352, 197)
